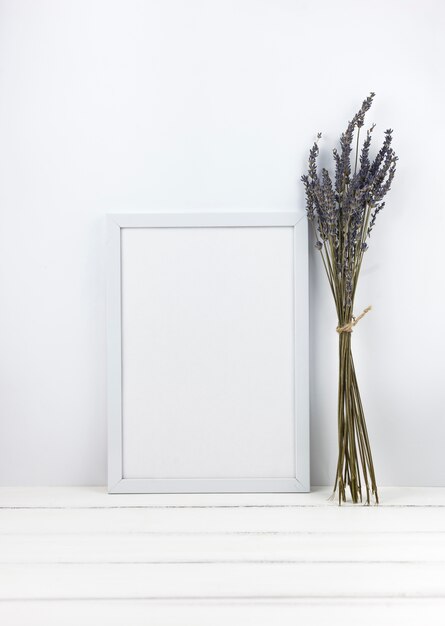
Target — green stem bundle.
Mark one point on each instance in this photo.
(355, 468)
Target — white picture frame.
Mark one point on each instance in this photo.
(135, 457)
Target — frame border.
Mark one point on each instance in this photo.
(116, 482)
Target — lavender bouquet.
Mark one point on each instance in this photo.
(343, 213)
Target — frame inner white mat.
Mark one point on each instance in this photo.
(208, 363)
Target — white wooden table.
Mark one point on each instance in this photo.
(81, 556)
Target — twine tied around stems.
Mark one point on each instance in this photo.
(347, 328)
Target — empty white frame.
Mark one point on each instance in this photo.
(207, 352)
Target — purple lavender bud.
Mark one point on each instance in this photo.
(339, 206)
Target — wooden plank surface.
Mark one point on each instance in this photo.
(220, 520)
(406, 612)
(78, 555)
(226, 581)
(209, 548)
(81, 497)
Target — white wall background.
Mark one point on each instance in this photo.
(109, 105)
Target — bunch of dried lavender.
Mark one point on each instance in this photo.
(343, 213)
